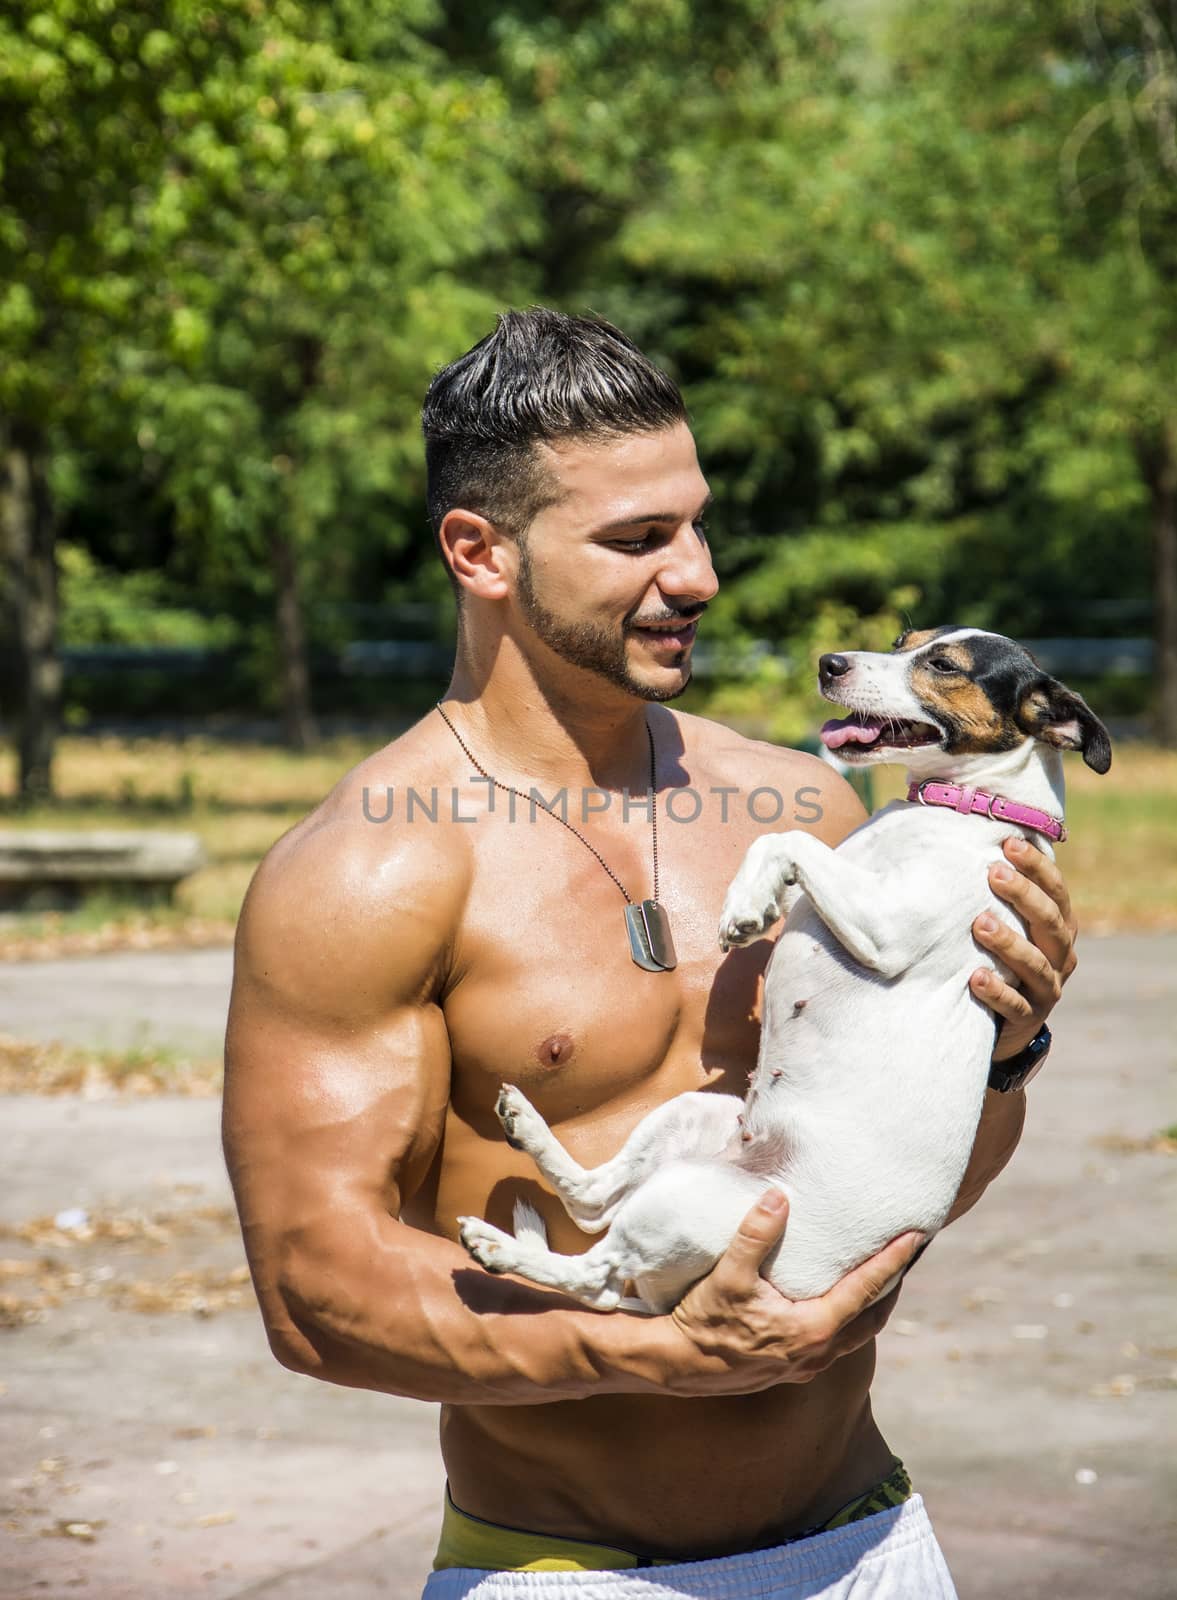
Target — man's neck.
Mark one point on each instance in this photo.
(571, 728)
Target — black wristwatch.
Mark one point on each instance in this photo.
(1005, 1076)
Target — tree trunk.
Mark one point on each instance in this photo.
(1158, 459)
(27, 546)
(298, 721)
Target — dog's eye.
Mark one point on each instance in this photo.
(942, 664)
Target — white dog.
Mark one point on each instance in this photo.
(874, 1054)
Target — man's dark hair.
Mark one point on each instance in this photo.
(540, 377)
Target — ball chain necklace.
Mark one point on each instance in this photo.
(646, 922)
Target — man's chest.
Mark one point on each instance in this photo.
(547, 996)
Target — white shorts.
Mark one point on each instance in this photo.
(890, 1556)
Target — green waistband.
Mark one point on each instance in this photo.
(468, 1541)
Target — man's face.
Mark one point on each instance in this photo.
(612, 575)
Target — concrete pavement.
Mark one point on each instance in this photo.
(121, 1001)
(149, 1444)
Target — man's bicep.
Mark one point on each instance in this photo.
(336, 1055)
(322, 1114)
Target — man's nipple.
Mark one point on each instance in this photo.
(555, 1051)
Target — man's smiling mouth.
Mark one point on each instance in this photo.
(675, 635)
(676, 631)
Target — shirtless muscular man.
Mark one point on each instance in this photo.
(426, 935)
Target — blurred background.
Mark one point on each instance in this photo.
(914, 263)
(915, 266)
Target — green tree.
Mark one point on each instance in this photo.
(949, 328)
(79, 121)
(236, 234)
(1038, 184)
(609, 98)
(327, 212)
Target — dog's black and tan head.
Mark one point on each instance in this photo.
(958, 690)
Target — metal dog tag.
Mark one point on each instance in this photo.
(650, 941)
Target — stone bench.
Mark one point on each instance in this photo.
(44, 869)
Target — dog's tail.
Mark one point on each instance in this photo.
(528, 1223)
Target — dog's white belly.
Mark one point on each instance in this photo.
(866, 1099)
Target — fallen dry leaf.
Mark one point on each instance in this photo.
(53, 938)
(18, 1269)
(123, 1227)
(200, 1290)
(30, 1067)
(1123, 1144)
(63, 1529)
(33, 1286)
(1119, 1387)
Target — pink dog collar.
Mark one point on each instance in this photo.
(975, 801)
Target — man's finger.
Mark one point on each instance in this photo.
(1044, 919)
(760, 1230)
(867, 1283)
(1028, 898)
(1010, 1004)
(1031, 968)
(1037, 866)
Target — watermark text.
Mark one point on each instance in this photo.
(764, 805)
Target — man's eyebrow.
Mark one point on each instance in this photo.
(670, 517)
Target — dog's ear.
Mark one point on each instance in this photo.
(1057, 715)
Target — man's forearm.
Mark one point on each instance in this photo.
(387, 1307)
(368, 1302)
(998, 1133)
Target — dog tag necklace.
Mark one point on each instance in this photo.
(646, 922)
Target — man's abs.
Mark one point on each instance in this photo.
(669, 1477)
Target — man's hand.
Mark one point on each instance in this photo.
(1041, 963)
(752, 1338)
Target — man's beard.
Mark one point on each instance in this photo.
(585, 644)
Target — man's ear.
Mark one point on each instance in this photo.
(1060, 717)
(473, 548)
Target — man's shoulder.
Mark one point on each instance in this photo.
(820, 795)
(357, 857)
(723, 755)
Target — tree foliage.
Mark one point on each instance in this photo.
(958, 326)
(916, 278)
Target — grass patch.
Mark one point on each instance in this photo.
(1120, 863)
(239, 798)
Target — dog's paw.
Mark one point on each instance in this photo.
(754, 900)
(606, 1299)
(741, 921)
(522, 1123)
(490, 1246)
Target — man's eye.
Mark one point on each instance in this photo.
(700, 527)
(645, 543)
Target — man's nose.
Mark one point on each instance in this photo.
(689, 572)
(830, 667)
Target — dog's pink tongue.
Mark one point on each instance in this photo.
(847, 730)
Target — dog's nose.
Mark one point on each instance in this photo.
(833, 666)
